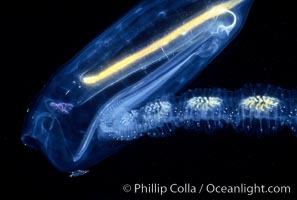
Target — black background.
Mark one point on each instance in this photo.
(38, 38)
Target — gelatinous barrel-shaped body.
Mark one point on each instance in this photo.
(155, 50)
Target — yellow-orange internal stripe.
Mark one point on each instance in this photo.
(124, 63)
